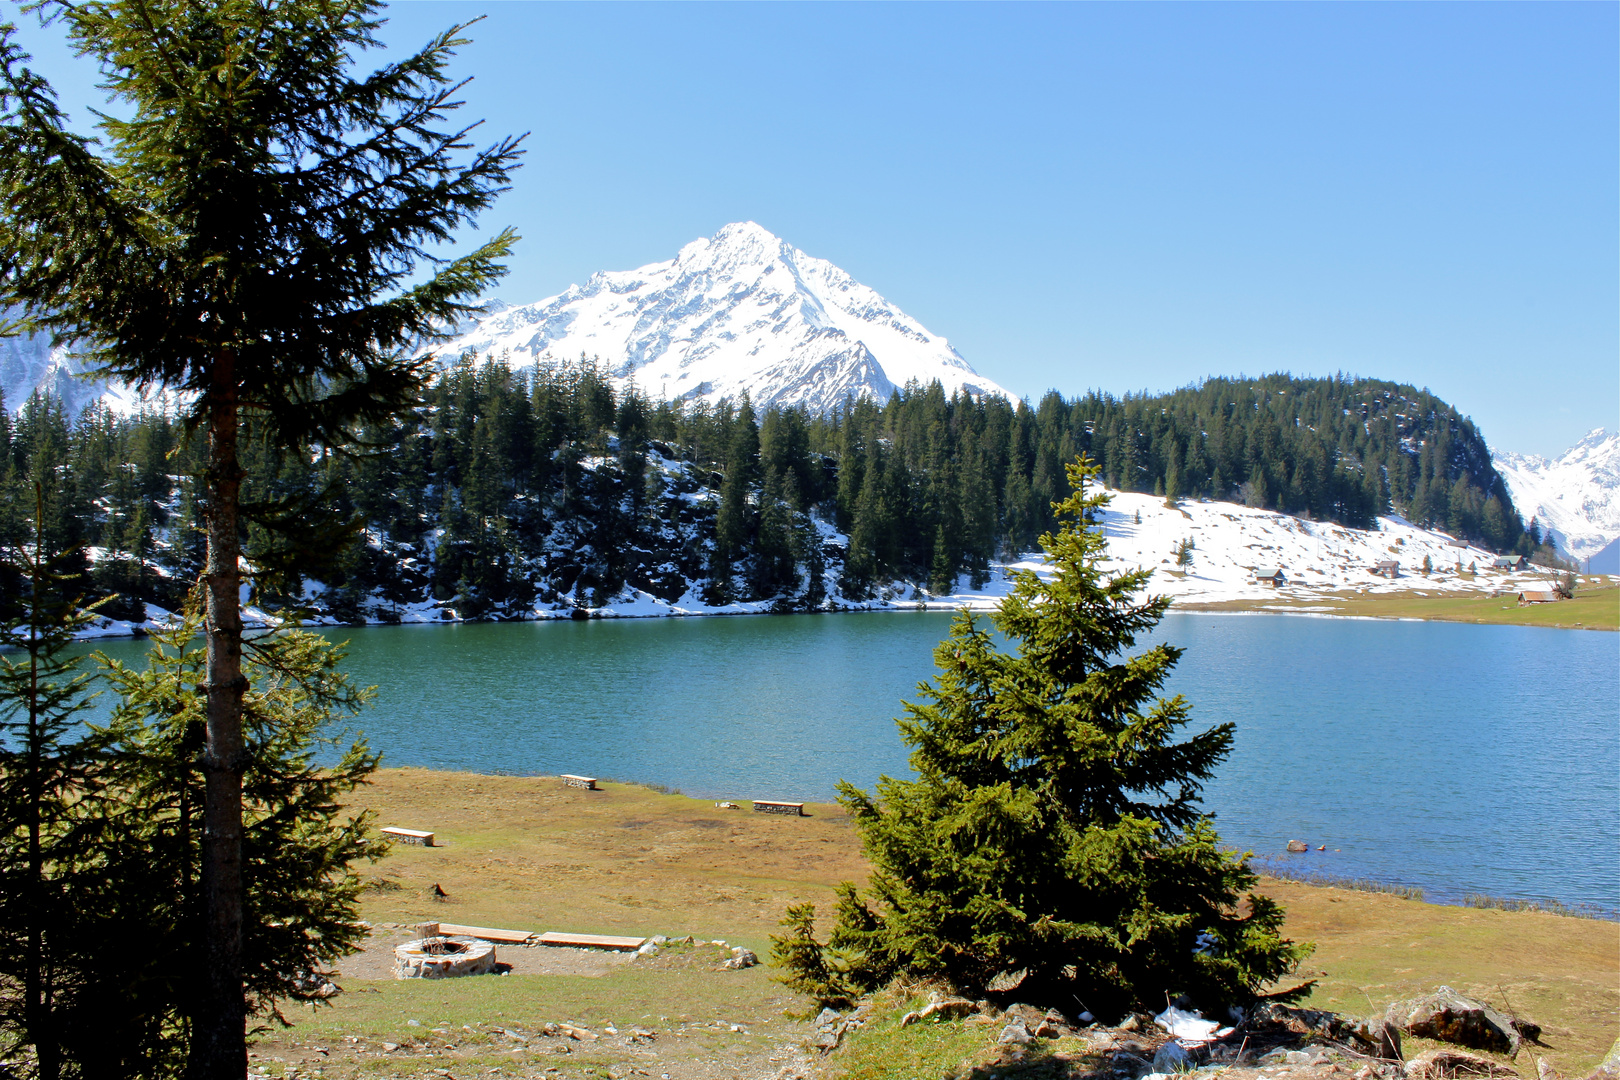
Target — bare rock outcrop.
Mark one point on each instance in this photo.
(1448, 1016)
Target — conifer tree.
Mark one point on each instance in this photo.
(942, 569)
(1052, 841)
(248, 240)
(300, 843)
(51, 773)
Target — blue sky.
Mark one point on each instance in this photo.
(1113, 196)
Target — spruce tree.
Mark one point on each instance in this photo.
(942, 568)
(300, 843)
(1052, 844)
(52, 769)
(247, 239)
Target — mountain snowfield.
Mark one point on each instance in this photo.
(1575, 497)
(740, 312)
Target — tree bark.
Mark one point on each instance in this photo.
(37, 1016)
(219, 1037)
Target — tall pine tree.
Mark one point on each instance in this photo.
(248, 239)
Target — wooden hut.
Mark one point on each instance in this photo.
(1387, 568)
(1270, 575)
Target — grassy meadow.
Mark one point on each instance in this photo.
(528, 853)
(1595, 606)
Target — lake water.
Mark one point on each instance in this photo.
(1453, 757)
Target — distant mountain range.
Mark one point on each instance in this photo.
(740, 312)
(1575, 497)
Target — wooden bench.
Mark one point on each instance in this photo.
(592, 941)
(409, 836)
(586, 782)
(487, 933)
(772, 806)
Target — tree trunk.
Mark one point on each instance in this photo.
(37, 1018)
(219, 1038)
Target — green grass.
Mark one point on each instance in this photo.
(1549, 907)
(1596, 606)
(692, 1008)
(883, 1050)
(1310, 877)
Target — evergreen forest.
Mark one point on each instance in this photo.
(507, 489)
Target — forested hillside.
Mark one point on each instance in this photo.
(510, 490)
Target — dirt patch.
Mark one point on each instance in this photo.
(376, 960)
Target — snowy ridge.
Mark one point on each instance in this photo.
(740, 312)
(1575, 497)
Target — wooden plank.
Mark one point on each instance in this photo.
(586, 782)
(409, 836)
(772, 806)
(486, 933)
(592, 941)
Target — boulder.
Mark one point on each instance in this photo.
(1172, 1057)
(1297, 846)
(1028, 1015)
(1054, 1025)
(1388, 1038)
(943, 1009)
(1453, 1065)
(1015, 1034)
(1447, 1016)
(740, 958)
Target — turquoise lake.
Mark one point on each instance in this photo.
(1462, 759)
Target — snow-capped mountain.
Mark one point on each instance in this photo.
(29, 363)
(1575, 497)
(742, 311)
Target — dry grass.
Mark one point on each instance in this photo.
(528, 853)
(1372, 949)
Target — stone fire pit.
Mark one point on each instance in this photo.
(444, 958)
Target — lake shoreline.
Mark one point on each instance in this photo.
(786, 708)
(1598, 608)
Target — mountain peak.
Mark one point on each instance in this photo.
(740, 311)
(1575, 497)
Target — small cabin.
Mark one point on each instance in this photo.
(1509, 562)
(1538, 596)
(1270, 575)
(1387, 568)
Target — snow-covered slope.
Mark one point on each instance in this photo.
(740, 311)
(1321, 562)
(1575, 497)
